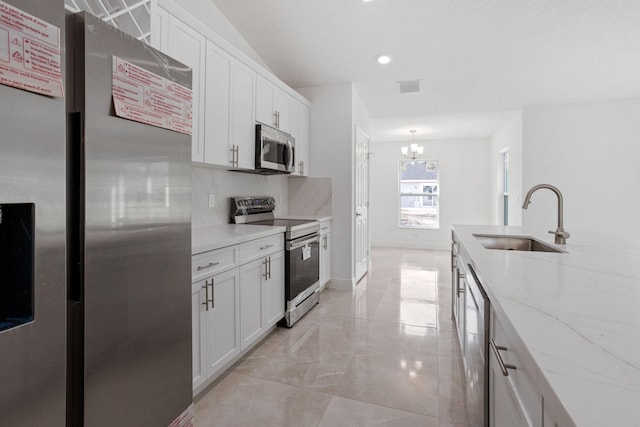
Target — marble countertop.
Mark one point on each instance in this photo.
(578, 314)
(215, 237)
(319, 218)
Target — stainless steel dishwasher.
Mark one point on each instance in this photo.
(476, 345)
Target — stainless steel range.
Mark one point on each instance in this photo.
(302, 258)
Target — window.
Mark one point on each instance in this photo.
(419, 194)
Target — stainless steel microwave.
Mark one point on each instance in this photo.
(275, 150)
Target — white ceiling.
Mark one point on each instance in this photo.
(470, 55)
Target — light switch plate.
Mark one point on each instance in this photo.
(212, 200)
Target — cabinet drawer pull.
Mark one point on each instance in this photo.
(211, 264)
(262, 248)
(503, 366)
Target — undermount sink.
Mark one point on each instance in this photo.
(514, 243)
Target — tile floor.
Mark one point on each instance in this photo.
(382, 355)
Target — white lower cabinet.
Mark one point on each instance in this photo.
(504, 408)
(223, 320)
(513, 392)
(251, 301)
(273, 291)
(215, 324)
(237, 294)
(325, 253)
(261, 296)
(198, 322)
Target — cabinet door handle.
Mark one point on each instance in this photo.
(235, 155)
(213, 294)
(461, 276)
(453, 255)
(206, 294)
(211, 264)
(324, 243)
(269, 260)
(266, 269)
(503, 366)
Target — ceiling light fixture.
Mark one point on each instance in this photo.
(384, 59)
(416, 151)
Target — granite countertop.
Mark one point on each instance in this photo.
(215, 237)
(577, 313)
(319, 218)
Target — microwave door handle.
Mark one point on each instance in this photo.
(290, 161)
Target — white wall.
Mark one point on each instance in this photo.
(508, 137)
(591, 152)
(334, 111)
(225, 184)
(464, 191)
(210, 15)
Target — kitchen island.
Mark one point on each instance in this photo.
(574, 318)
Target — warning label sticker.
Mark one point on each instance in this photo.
(29, 52)
(146, 97)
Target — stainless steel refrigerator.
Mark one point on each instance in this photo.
(95, 242)
(129, 199)
(32, 246)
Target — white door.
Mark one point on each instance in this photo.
(361, 203)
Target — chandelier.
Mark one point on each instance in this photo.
(413, 151)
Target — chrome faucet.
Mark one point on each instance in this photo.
(561, 235)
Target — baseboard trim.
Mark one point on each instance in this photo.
(340, 284)
(434, 246)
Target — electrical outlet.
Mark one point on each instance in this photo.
(212, 200)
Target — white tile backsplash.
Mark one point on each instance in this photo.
(310, 196)
(225, 184)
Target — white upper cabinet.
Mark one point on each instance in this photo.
(160, 24)
(229, 93)
(217, 106)
(243, 122)
(189, 47)
(300, 132)
(273, 105)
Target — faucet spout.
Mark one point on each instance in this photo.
(560, 233)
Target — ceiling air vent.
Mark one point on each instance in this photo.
(409, 86)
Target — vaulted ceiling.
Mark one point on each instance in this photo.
(469, 55)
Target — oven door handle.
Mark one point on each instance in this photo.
(295, 245)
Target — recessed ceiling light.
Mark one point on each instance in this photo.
(384, 59)
(367, 1)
